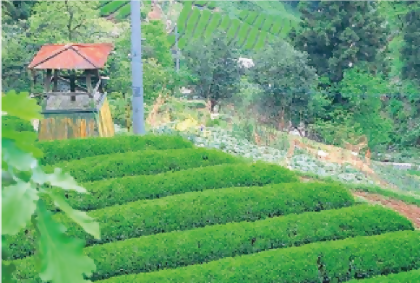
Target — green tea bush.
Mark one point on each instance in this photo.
(402, 277)
(197, 209)
(234, 25)
(213, 24)
(233, 239)
(332, 261)
(121, 190)
(143, 162)
(112, 7)
(16, 124)
(259, 21)
(66, 150)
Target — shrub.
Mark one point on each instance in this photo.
(402, 277)
(144, 162)
(197, 209)
(121, 190)
(335, 261)
(16, 124)
(66, 150)
(216, 242)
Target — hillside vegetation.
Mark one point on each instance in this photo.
(233, 221)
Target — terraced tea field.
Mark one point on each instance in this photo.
(171, 212)
(200, 19)
(251, 30)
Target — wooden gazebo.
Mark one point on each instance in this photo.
(74, 103)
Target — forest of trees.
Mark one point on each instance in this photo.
(349, 68)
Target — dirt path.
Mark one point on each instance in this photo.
(410, 211)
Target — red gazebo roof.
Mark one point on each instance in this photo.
(72, 56)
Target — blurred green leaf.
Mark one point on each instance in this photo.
(62, 259)
(18, 205)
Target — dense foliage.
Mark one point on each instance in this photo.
(25, 186)
(356, 49)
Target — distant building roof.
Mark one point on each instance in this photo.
(72, 56)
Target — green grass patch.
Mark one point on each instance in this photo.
(231, 33)
(259, 21)
(261, 40)
(182, 41)
(202, 23)
(243, 33)
(277, 26)
(73, 149)
(233, 239)
(183, 16)
(341, 260)
(243, 15)
(252, 37)
(111, 7)
(251, 18)
(143, 162)
(110, 192)
(213, 24)
(124, 12)
(413, 172)
(195, 209)
(402, 277)
(192, 22)
(225, 24)
(287, 27)
(268, 23)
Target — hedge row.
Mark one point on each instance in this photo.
(402, 277)
(172, 250)
(143, 162)
(16, 124)
(66, 150)
(122, 190)
(335, 261)
(196, 209)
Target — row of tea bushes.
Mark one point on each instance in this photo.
(172, 250)
(196, 209)
(110, 192)
(335, 261)
(66, 150)
(144, 162)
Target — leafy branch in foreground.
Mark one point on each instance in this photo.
(60, 259)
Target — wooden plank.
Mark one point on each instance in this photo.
(53, 129)
(103, 124)
(66, 128)
(55, 87)
(101, 132)
(107, 119)
(83, 128)
(42, 130)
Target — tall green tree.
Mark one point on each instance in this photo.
(410, 52)
(215, 68)
(50, 22)
(341, 34)
(286, 82)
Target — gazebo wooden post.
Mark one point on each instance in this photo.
(56, 73)
(73, 84)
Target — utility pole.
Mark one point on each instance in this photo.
(176, 47)
(137, 69)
